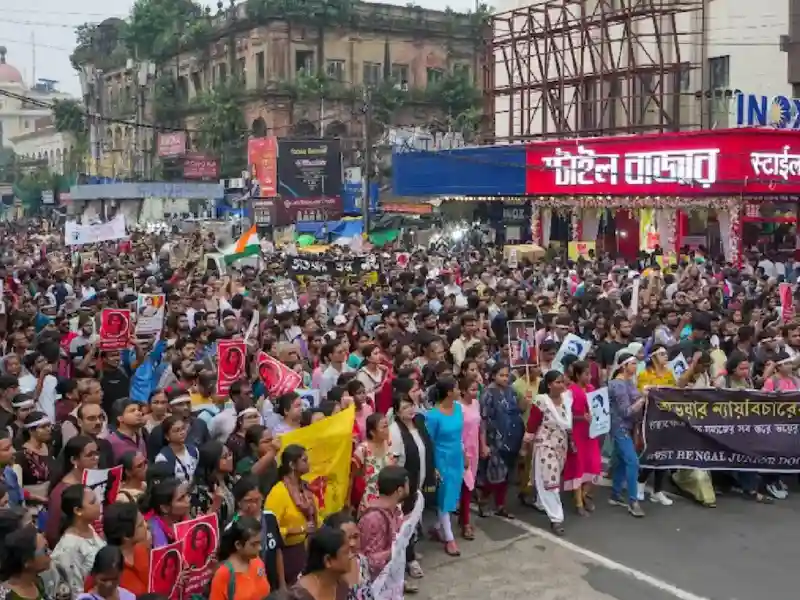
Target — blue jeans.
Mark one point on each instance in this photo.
(625, 467)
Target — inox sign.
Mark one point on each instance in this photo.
(754, 110)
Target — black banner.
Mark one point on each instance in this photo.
(338, 267)
(736, 430)
(309, 180)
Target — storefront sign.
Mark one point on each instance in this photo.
(729, 161)
(755, 110)
(407, 208)
(171, 144)
(263, 211)
(200, 166)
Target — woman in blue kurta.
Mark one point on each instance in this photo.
(445, 423)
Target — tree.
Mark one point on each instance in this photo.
(100, 45)
(157, 28)
(222, 130)
(70, 117)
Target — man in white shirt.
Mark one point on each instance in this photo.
(337, 364)
(40, 383)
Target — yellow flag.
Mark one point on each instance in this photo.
(329, 444)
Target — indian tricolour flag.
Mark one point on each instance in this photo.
(247, 245)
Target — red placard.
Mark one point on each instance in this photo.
(231, 356)
(787, 301)
(696, 163)
(115, 328)
(199, 540)
(277, 377)
(166, 567)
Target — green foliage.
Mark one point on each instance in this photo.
(70, 117)
(157, 29)
(29, 187)
(101, 45)
(311, 87)
(307, 12)
(222, 130)
(455, 95)
(386, 98)
(169, 105)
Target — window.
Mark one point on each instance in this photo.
(434, 75)
(462, 70)
(400, 73)
(335, 69)
(27, 124)
(242, 67)
(304, 60)
(260, 70)
(685, 77)
(719, 72)
(372, 73)
(197, 82)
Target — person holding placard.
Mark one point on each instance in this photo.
(584, 465)
(551, 422)
(655, 374)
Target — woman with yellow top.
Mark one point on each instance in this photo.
(656, 374)
(526, 387)
(295, 508)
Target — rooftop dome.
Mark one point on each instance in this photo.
(8, 74)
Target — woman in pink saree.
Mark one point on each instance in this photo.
(471, 438)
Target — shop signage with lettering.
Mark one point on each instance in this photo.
(733, 161)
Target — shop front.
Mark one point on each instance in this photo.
(725, 190)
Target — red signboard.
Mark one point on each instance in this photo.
(713, 162)
(200, 166)
(262, 156)
(172, 144)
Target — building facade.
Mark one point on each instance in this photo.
(279, 61)
(21, 105)
(44, 143)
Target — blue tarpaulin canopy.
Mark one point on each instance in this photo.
(336, 229)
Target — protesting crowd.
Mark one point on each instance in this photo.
(234, 429)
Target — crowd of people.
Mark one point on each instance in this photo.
(423, 358)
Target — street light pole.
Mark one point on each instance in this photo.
(368, 168)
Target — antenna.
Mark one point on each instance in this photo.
(33, 57)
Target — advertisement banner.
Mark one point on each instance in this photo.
(309, 180)
(692, 163)
(115, 329)
(200, 166)
(277, 377)
(732, 430)
(262, 156)
(230, 364)
(263, 211)
(329, 444)
(171, 144)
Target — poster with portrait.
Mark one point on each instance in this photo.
(574, 345)
(600, 411)
(310, 398)
(678, 366)
(231, 355)
(199, 540)
(166, 566)
(150, 313)
(787, 301)
(522, 343)
(284, 297)
(277, 377)
(115, 329)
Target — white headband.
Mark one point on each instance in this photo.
(630, 359)
(180, 400)
(38, 423)
(23, 404)
(247, 411)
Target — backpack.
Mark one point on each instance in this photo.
(171, 459)
(58, 436)
(231, 584)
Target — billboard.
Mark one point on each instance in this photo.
(262, 156)
(200, 166)
(171, 144)
(309, 179)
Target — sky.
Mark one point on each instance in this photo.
(40, 39)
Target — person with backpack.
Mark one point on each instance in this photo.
(176, 452)
(241, 574)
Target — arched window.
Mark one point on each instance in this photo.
(259, 128)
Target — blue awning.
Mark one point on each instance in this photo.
(348, 228)
(312, 227)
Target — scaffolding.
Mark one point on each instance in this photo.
(577, 68)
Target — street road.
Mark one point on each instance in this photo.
(738, 551)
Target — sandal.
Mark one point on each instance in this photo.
(414, 570)
(502, 512)
(557, 528)
(451, 549)
(482, 510)
(468, 533)
(410, 588)
(526, 501)
(581, 510)
(759, 498)
(435, 534)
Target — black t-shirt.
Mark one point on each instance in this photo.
(116, 384)
(607, 351)
(271, 542)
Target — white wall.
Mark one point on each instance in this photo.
(45, 143)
